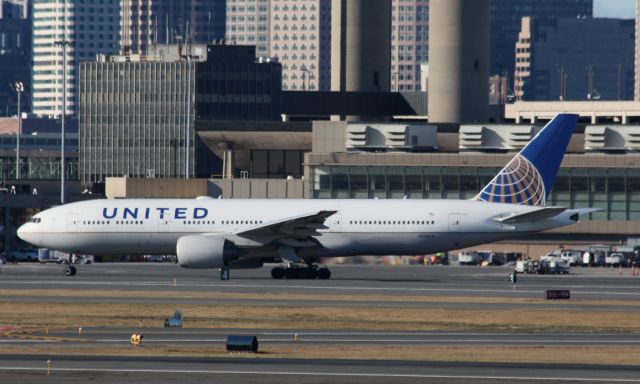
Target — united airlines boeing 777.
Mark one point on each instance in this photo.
(226, 234)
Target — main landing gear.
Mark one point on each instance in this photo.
(69, 270)
(301, 271)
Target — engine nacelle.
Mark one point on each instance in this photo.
(198, 251)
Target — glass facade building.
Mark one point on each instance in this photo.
(39, 157)
(615, 190)
(232, 85)
(576, 59)
(15, 56)
(506, 17)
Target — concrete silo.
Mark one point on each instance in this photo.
(360, 45)
(458, 61)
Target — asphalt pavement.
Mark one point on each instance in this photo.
(593, 289)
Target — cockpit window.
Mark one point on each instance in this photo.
(35, 220)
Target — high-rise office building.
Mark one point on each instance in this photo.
(135, 119)
(14, 9)
(297, 33)
(147, 22)
(232, 86)
(300, 37)
(247, 23)
(506, 16)
(409, 43)
(636, 96)
(91, 27)
(15, 54)
(575, 59)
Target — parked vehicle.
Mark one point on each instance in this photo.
(555, 267)
(573, 258)
(491, 258)
(52, 256)
(533, 267)
(24, 254)
(614, 259)
(469, 258)
(593, 259)
(551, 256)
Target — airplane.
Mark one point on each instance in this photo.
(233, 234)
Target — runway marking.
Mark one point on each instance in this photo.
(325, 340)
(307, 287)
(22, 341)
(329, 374)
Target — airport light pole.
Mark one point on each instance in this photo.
(188, 133)
(64, 44)
(19, 87)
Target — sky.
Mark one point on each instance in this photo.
(625, 9)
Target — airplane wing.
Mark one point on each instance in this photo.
(538, 214)
(294, 230)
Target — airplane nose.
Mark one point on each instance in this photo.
(22, 231)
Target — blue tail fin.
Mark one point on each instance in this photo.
(529, 176)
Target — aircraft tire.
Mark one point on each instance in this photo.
(70, 270)
(323, 273)
(278, 273)
(310, 273)
(291, 273)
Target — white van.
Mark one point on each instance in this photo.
(572, 258)
(469, 258)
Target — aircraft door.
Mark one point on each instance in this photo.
(72, 222)
(455, 222)
(336, 222)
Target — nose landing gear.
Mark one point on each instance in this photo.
(301, 271)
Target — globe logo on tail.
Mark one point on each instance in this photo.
(518, 183)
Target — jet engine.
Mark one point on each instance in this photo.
(198, 251)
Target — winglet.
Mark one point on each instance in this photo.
(528, 178)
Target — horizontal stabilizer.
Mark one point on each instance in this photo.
(538, 214)
(586, 211)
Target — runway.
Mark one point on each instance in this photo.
(403, 288)
(241, 370)
(492, 282)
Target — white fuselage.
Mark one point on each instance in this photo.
(359, 227)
